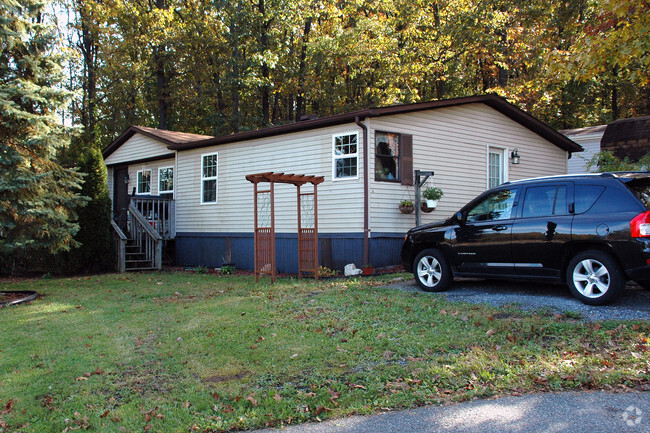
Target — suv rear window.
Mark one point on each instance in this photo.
(641, 190)
(586, 196)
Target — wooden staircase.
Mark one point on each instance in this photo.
(142, 249)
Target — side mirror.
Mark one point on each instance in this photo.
(459, 217)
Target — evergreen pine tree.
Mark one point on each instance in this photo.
(96, 252)
(38, 196)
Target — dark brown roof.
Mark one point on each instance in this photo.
(168, 137)
(496, 102)
(627, 137)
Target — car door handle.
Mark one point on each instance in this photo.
(499, 228)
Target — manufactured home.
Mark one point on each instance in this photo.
(192, 189)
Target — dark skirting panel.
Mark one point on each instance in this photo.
(335, 250)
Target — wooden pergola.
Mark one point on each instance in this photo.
(265, 223)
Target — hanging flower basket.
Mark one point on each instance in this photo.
(406, 206)
(425, 207)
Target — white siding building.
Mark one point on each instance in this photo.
(467, 142)
(589, 138)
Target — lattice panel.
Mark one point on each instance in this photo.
(264, 209)
(307, 211)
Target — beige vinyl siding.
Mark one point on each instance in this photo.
(137, 148)
(153, 166)
(340, 203)
(453, 143)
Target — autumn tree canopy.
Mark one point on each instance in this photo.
(217, 67)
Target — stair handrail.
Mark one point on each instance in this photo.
(135, 213)
(121, 248)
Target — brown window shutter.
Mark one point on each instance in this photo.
(406, 159)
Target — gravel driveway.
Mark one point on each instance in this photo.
(633, 304)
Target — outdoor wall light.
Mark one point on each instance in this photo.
(126, 179)
(514, 155)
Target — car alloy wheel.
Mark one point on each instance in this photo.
(431, 271)
(595, 277)
(591, 278)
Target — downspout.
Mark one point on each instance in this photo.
(366, 199)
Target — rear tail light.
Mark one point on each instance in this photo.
(640, 225)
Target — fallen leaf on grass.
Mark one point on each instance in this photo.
(277, 397)
(252, 399)
(490, 332)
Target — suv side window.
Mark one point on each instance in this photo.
(586, 196)
(496, 206)
(545, 200)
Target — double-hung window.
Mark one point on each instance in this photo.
(144, 182)
(345, 156)
(209, 177)
(165, 180)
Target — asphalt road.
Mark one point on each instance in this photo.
(633, 304)
(584, 412)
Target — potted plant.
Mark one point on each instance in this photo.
(367, 269)
(432, 195)
(406, 206)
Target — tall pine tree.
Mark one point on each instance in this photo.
(38, 196)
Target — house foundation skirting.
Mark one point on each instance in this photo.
(335, 250)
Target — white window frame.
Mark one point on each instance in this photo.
(165, 191)
(216, 178)
(137, 182)
(503, 153)
(336, 157)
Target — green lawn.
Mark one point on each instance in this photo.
(178, 352)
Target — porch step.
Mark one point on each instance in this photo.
(137, 262)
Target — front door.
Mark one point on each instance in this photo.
(482, 244)
(120, 196)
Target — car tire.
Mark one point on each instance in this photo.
(594, 277)
(431, 271)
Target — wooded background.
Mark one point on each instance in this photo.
(218, 67)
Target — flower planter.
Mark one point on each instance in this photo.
(425, 208)
(368, 270)
(406, 209)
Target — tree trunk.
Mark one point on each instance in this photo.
(300, 98)
(265, 70)
(89, 50)
(161, 80)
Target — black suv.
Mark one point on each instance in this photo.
(590, 231)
